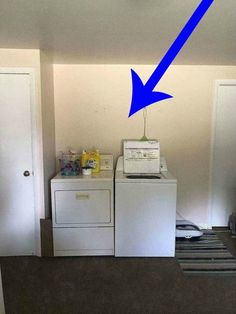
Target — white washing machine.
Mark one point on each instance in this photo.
(145, 213)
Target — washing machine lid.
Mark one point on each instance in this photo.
(164, 177)
(120, 176)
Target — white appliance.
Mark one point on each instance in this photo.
(145, 213)
(187, 229)
(83, 214)
(141, 156)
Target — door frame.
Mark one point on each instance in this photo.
(36, 136)
(217, 85)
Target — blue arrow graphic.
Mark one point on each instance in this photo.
(143, 94)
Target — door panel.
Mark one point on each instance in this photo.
(17, 219)
(223, 187)
(145, 219)
(83, 207)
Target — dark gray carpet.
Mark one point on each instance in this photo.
(112, 285)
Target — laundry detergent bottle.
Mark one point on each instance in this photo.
(94, 161)
(97, 159)
(83, 159)
(90, 160)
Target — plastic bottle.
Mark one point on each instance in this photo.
(97, 160)
(83, 159)
(93, 161)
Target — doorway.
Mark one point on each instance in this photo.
(223, 157)
(17, 190)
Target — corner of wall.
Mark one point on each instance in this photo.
(48, 124)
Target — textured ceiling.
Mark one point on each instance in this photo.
(119, 31)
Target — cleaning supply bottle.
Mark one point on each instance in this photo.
(93, 161)
(83, 159)
(97, 159)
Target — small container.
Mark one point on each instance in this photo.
(69, 164)
(86, 171)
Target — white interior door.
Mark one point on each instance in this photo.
(223, 176)
(17, 215)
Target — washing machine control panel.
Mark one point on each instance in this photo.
(141, 156)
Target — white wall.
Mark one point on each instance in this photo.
(91, 110)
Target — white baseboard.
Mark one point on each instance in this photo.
(204, 226)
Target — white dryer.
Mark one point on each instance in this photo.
(145, 213)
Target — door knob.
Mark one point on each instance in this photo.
(26, 173)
